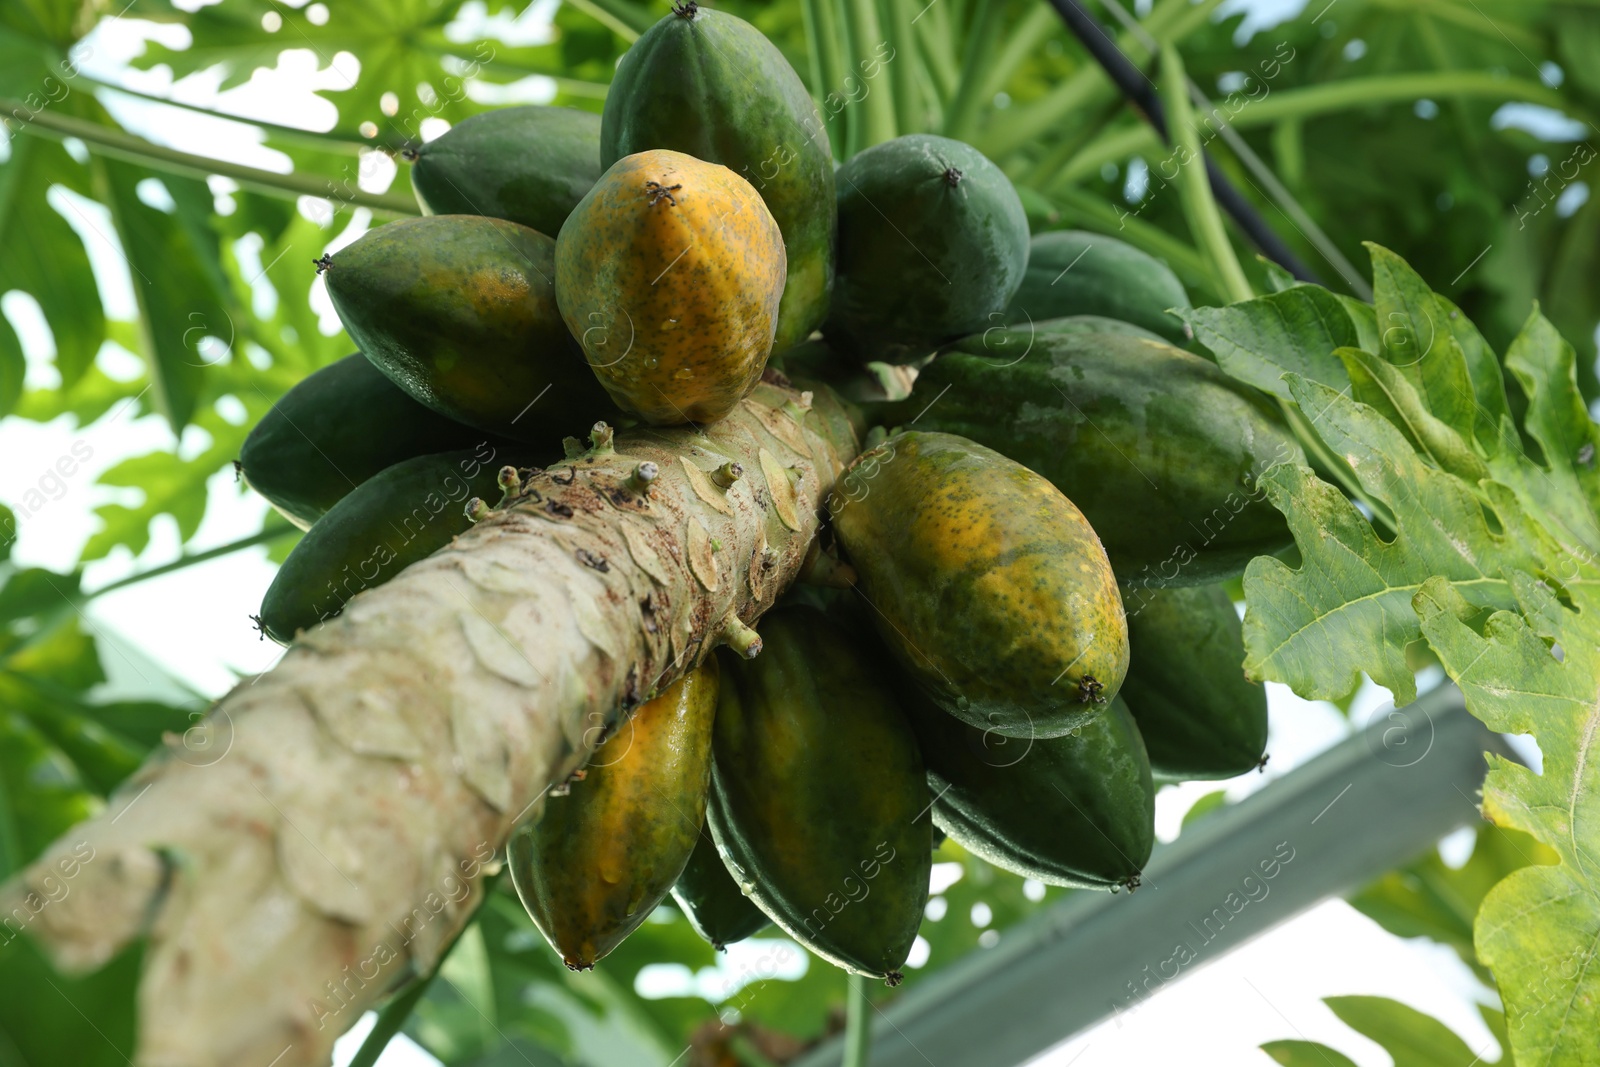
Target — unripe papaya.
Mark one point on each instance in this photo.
(819, 800)
(598, 860)
(460, 312)
(335, 429)
(932, 245)
(711, 85)
(388, 522)
(530, 165)
(712, 900)
(990, 587)
(1159, 448)
(1071, 272)
(1077, 810)
(669, 273)
(1200, 716)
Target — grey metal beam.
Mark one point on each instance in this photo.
(1374, 801)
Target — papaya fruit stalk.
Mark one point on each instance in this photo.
(334, 836)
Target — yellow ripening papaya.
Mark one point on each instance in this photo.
(990, 587)
(598, 860)
(669, 272)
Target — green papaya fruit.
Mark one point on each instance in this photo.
(460, 312)
(530, 165)
(1076, 810)
(1159, 448)
(710, 85)
(598, 860)
(388, 522)
(1071, 272)
(819, 799)
(335, 429)
(933, 243)
(1200, 716)
(711, 899)
(990, 587)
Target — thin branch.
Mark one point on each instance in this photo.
(267, 534)
(122, 145)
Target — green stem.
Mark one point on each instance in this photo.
(121, 145)
(394, 1013)
(831, 61)
(626, 20)
(327, 140)
(857, 1031)
(877, 106)
(961, 116)
(911, 114)
(1194, 185)
(267, 534)
(933, 25)
(1399, 88)
(1330, 463)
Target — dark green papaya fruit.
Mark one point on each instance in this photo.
(335, 429)
(529, 164)
(711, 899)
(388, 522)
(819, 800)
(598, 860)
(710, 85)
(1200, 716)
(460, 312)
(989, 586)
(932, 245)
(1071, 272)
(1159, 448)
(1077, 810)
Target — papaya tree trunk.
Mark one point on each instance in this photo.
(325, 832)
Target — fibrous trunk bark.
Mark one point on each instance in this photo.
(325, 833)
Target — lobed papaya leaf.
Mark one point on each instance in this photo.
(1501, 576)
(44, 257)
(1294, 330)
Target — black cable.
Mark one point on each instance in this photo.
(1133, 84)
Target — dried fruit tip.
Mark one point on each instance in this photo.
(601, 436)
(323, 263)
(741, 638)
(645, 473)
(1261, 768)
(1131, 883)
(477, 510)
(893, 978)
(686, 10)
(725, 475)
(952, 177)
(1090, 691)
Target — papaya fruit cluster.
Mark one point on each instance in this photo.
(1025, 631)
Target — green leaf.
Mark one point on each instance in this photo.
(1292, 331)
(176, 279)
(1427, 898)
(1306, 1054)
(1416, 338)
(44, 257)
(13, 366)
(1412, 1038)
(1501, 577)
(1379, 385)
(47, 1018)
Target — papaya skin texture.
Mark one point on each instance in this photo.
(460, 312)
(407, 738)
(600, 858)
(819, 797)
(990, 587)
(669, 273)
(712, 901)
(710, 84)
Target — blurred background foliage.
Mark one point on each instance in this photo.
(1455, 132)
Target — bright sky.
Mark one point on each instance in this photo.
(193, 625)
